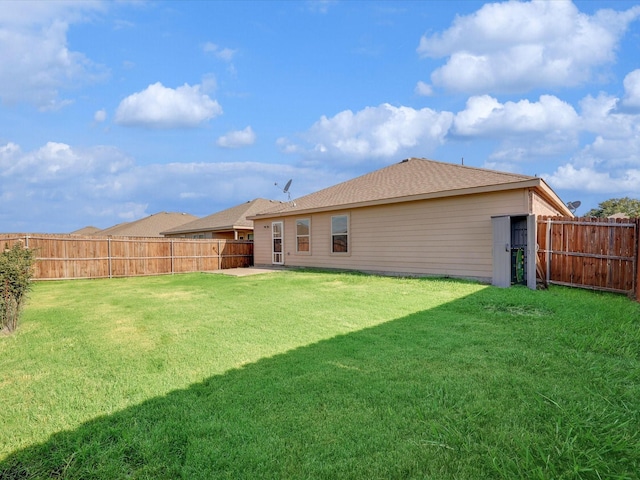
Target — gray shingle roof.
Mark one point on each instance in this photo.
(401, 181)
(229, 219)
(150, 226)
(89, 230)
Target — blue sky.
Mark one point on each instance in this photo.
(112, 111)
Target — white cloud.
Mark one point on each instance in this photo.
(320, 6)
(8, 152)
(209, 83)
(601, 116)
(238, 138)
(592, 180)
(222, 53)
(610, 164)
(611, 153)
(374, 132)
(60, 188)
(160, 107)
(100, 116)
(21, 13)
(485, 116)
(632, 90)
(57, 161)
(37, 62)
(423, 89)
(517, 46)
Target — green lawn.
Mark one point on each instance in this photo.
(319, 375)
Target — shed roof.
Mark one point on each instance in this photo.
(150, 226)
(233, 218)
(411, 179)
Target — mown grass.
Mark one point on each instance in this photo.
(319, 375)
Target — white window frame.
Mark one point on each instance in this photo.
(334, 234)
(308, 236)
(277, 257)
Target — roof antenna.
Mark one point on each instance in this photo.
(286, 188)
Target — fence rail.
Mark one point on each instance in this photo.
(75, 257)
(594, 253)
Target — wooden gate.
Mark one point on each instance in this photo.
(594, 253)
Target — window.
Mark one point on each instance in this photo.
(340, 234)
(276, 237)
(303, 235)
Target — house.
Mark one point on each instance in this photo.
(229, 224)
(150, 226)
(416, 217)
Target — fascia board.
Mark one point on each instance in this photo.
(534, 182)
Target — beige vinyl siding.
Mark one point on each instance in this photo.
(541, 207)
(262, 241)
(449, 236)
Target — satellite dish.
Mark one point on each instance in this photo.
(286, 188)
(572, 206)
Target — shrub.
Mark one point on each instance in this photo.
(16, 271)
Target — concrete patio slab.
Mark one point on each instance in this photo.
(244, 272)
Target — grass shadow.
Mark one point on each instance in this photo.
(470, 389)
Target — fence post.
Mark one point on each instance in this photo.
(219, 257)
(548, 248)
(637, 292)
(171, 256)
(109, 255)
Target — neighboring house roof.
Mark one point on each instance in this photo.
(86, 231)
(150, 226)
(234, 218)
(619, 215)
(412, 179)
(114, 228)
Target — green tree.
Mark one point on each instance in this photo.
(630, 206)
(16, 271)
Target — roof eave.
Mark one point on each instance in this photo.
(550, 195)
(207, 229)
(533, 182)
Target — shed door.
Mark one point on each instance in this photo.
(514, 250)
(501, 251)
(276, 242)
(532, 251)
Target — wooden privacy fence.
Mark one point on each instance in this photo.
(595, 253)
(74, 257)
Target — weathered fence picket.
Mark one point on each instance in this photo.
(74, 257)
(594, 253)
